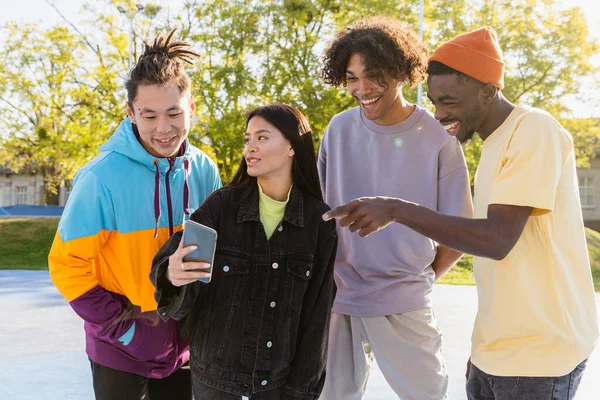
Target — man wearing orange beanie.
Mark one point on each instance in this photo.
(536, 324)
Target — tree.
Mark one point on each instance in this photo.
(586, 137)
(55, 113)
(546, 50)
(224, 86)
(63, 96)
(257, 52)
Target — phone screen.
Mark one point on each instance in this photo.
(206, 239)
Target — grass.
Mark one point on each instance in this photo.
(25, 243)
(593, 240)
(462, 273)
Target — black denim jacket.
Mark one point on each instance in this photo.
(263, 320)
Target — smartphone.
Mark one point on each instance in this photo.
(195, 234)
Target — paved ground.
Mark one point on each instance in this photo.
(42, 349)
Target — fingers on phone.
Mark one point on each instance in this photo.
(193, 266)
(188, 250)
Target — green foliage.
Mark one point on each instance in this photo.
(62, 89)
(586, 135)
(60, 108)
(547, 52)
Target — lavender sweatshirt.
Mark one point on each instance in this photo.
(390, 271)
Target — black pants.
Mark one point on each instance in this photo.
(110, 384)
(205, 392)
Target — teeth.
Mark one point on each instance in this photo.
(451, 126)
(370, 101)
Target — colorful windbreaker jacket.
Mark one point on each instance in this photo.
(124, 206)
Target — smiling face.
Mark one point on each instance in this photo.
(163, 117)
(459, 104)
(267, 152)
(380, 104)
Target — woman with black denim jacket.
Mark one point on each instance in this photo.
(260, 327)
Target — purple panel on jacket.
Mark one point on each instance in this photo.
(156, 349)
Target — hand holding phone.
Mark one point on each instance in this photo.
(205, 240)
(181, 273)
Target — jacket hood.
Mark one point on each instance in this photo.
(124, 141)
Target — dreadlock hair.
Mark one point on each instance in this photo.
(386, 44)
(162, 62)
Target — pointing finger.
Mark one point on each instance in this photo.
(338, 212)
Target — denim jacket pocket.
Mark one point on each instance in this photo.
(299, 273)
(229, 274)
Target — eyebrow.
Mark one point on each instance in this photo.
(149, 110)
(443, 98)
(259, 131)
(350, 73)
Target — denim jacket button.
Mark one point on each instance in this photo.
(307, 273)
(273, 304)
(226, 268)
(263, 383)
(275, 265)
(269, 344)
(280, 228)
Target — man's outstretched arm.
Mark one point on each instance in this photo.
(493, 237)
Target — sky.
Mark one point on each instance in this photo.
(584, 104)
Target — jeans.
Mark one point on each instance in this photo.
(205, 392)
(482, 386)
(111, 384)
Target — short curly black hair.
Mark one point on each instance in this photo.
(436, 68)
(386, 44)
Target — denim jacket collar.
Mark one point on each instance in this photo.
(294, 211)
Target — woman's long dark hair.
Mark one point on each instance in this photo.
(295, 128)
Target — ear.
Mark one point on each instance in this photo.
(292, 152)
(130, 112)
(488, 93)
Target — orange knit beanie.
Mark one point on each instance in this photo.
(476, 54)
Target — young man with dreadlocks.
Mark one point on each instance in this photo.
(124, 206)
(387, 147)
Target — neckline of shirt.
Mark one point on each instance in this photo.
(515, 113)
(400, 127)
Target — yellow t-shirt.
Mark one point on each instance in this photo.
(537, 313)
(271, 211)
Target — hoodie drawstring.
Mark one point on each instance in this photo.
(156, 197)
(186, 189)
(186, 193)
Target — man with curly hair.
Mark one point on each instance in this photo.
(124, 206)
(387, 147)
